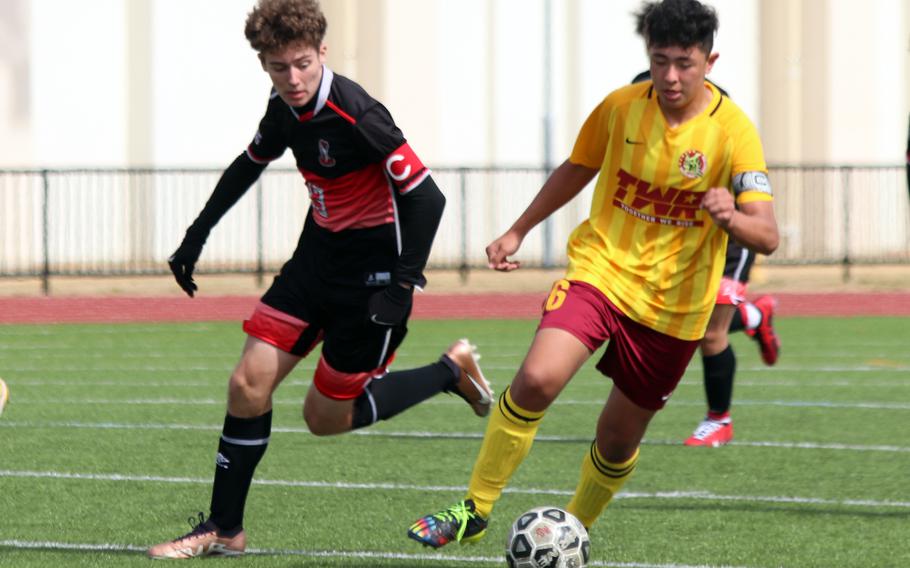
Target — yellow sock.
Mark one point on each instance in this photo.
(600, 481)
(510, 433)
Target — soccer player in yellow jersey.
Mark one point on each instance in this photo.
(680, 170)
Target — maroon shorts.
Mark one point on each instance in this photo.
(644, 364)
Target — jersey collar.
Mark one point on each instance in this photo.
(307, 112)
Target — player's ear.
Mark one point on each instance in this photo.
(323, 50)
(262, 60)
(712, 58)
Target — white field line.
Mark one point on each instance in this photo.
(442, 435)
(486, 341)
(495, 358)
(360, 555)
(336, 485)
(225, 369)
(490, 346)
(145, 329)
(504, 373)
(221, 381)
(569, 402)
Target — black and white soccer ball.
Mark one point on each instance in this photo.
(548, 537)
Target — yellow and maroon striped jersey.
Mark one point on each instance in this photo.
(647, 244)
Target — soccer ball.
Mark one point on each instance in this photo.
(548, 537)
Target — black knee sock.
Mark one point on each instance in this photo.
(400, 390)
(737, 323)
(719, 371)
(243, 442)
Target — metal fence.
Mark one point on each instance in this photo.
(127, 221)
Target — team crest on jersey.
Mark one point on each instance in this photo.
(325, 160)
(693, 164)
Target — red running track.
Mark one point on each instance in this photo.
(427, 306)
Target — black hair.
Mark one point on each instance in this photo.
(683, 23)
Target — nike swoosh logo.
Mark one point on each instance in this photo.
(630, 141)
(375, 320)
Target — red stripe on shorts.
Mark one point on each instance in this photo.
(275, 327)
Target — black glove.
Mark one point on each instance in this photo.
(390, 306)
(183, 262)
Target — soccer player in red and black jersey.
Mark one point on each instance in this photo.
(374, 211)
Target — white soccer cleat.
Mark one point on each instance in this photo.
(203, 540)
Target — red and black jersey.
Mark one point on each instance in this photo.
(359, 171)
(349, 150)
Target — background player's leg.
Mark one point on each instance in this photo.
(719, 368)
(719, 360)
(761, 328)
(738, 323)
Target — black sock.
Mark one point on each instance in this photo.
(243, 442)
(400, 390)
(719, 371)
(737, 323)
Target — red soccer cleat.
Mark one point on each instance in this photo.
(768, 342)
(711, 433)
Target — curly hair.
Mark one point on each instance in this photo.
(274, 24)
(683, 23)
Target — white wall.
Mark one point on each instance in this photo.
(463, 79)
(78, 107)
(867, 81)
(209, 88)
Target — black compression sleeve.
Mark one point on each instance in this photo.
(419, 211)
(234, 182)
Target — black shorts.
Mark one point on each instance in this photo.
(738, 262)
(309, 312)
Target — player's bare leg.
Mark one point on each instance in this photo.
(325, 416)
(552, 360)
(261, 369)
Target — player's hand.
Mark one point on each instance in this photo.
(499, 250)
(183, 262)
(718, 202)
(389, 307)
